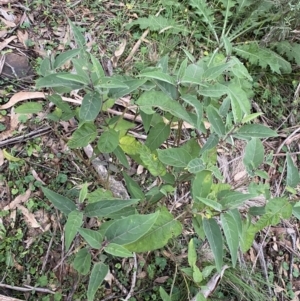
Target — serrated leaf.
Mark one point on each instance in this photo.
(62, 203)
(157, 135)
(254, 154)
(215, 239)
(130, 229)
(29, 108)
(62, 58)
(92, 237)
(78, 36)
(292, 179)
(90, 106)
(239, 70)
(99, 272)
(232, 237)
(82, 261)
(164, 228)
(215, 120)
(74, 222)
(85, 134)
(212, 73)
(106, 207)
(255, 131)
(108, 141)
(117, 250)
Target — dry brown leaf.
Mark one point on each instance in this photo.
(14, 121)
(162, 279)
(6, 41)
(18, 200)
(20, 96)
(118, 53)
(29, 217)
(7, 1)
(7, 15)
(3, 33)
(8, 23)
(36, 176)
(23, 37)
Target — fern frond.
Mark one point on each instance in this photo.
(263, 57)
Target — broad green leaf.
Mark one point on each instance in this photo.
(151, 161)
(130, 229)
(196, 165)
(192, 254)
(117, 250)
(195, 103)
(212, 73)
(90, 106)
(132, 85)
(231, 232)
(73, 78)
(157, 136)
(238, 220)
(237, 94)
(215, 120)
(163, 294)
(74, 222)
(108, 141)
(159, 99)
(182, 69)
(197, 275)
(99, 272)
(164, 228)
(193, 74)
(82, 68)
(296, 210)
(198, 226)
(45, 67)
(276, 209)
(255, 131)
(110, 82)
(64, 57)
(158, 75)
(82, 261)
(247, 237)
(211, 142)
(121, 156)
(29, 108)
(201, 185)
(213, 90)
(250, 117)
(85, 134)
(62, 203)
(78, 36)
(97, 68)
(133, 188)
(233, 199)
(130, 145)
(52, 81)
(92, 237)
(292, 179)
(254, 154)
(215, 240)
(83, 193)
(107, 207)
(68, 113)
(146, 118)
(210, 203)
(239, 70)
(181, 156)
(200, 297)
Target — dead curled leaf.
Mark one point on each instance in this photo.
(18, 200)
(20, 96)
(6, 42)
(29, 217)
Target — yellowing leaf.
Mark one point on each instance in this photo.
(10, 157)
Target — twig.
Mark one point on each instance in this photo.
(27, 288)
(133, 279)
(48, 252)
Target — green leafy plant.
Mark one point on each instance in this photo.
(211, 96)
